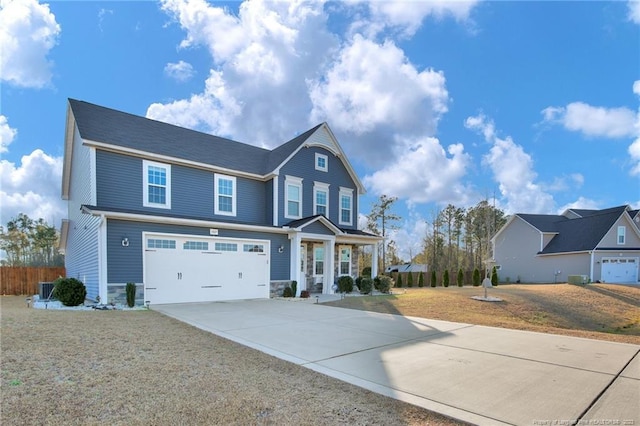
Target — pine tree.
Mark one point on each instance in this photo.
(494, 276)
(399, 280)
(460, 277)
(410, 280)
(433, 279)
(476, 277)
(421, 279)
(445, 278)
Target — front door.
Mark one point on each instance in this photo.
(318, 267)
(302, 272)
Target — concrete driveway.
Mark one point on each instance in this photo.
(481, 375)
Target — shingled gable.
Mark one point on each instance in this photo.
(121, 131)
(575, 235)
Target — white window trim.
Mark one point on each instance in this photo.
(622, 230)
(145, 184)
(216, 202)
(326, 162)
(347, 192)
(320, 186)
(340, 248)
(292, 181)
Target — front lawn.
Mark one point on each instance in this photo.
(598, 311)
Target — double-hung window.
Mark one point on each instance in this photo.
(293, 191)
(345, 260)
(225, 195)
(621, 234)
(346, 206)
(321, 198)
(156, 190)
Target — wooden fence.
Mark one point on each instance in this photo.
(23, 280)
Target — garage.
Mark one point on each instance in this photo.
(620, 270)
(185, 268)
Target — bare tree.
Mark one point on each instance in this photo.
(382, 219)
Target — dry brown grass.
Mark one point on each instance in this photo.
(596, 311)
(140, 367)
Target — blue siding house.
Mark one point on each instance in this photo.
(191, 217)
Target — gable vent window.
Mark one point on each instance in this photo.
(322, 162)
(225, 197)
(621, 234)
(156, 184)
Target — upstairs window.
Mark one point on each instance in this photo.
(346, 206)
(156, 184)
(321, 198)
(621, 234)
(225, 196)
(322, 162)
(293, 191)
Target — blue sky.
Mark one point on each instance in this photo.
(536, 103)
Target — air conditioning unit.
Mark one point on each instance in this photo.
(45, 290)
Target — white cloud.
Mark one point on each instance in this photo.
(180, 71)
(33, 188)
(636, 85)
(513, 169)
(593, 121)
(7, 134)
(263, 58)
(409, 15)
(634, 11)
(28, 31)
(425, 172)
(581, 203)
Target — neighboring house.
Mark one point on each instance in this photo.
(193, 217)
(407, 267)
(603, 245)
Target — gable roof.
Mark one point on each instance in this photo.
(579, 234)
(120, 131)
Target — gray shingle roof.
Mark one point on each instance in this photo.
(100, 124)
(578, 234)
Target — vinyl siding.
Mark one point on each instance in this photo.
(610, 240)
(317, 228)
(120, 185)
(125, 263)
(302, 165)
(81, 256)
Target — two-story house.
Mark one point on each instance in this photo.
(192, 217)
(602, 245)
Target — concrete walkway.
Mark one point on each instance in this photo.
(482, 375)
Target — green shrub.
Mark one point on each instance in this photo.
(420, 279)
(460, 280)
(294, 288)
(476, 277)
(434, 279)
(366, 271)
(410, 280)
(399, 280)
(366, 285)
(383, 283)
(345, 284)
(494, 276)
(287, 292)
(130, 289)
(445, 278)
(69, 291)
(358, 281)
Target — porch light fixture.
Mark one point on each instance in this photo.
(280, 249)
(125, 242)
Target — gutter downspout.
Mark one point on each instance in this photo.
(591, 256)
(102, 259)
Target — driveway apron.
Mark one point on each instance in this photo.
(482, 375)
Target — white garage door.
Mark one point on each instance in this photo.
(182, 268)
(620, 270)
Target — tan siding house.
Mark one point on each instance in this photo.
(603, 245)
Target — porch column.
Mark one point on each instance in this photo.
(329, 265)
(374, 260)
(294, 262)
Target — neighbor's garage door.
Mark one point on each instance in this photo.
(180, 269)
(620, 270)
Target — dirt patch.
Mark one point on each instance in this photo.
(140, 367)
(596, 311)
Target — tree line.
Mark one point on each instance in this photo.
(456, 238)
(28, 242)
